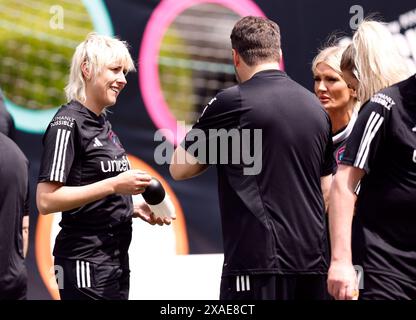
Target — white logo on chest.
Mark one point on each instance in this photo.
(97, 143)
(115, 165)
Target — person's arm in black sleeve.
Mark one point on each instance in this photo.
(367, 137)
(60, 147)
(329, 167)
(361, 152)
(220, 113)
(52, 195)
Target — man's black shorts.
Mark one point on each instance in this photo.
(387, 287)
(274, 287)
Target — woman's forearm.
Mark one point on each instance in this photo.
(55, 198)
(341, 211)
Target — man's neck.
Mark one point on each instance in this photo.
(250, 71)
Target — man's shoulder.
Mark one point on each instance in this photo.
(295, 93)
(294, 90)
(229, 93)
(303, 92)
(226, 98)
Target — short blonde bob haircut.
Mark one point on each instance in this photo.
(98, 52)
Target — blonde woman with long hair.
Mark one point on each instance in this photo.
(380, 155)
(372, 61)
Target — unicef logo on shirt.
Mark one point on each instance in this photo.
(117, 165)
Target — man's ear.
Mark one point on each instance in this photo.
(236, 57)
(86, 72)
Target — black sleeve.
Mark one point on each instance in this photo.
(330, 164)
(222, 112)
(368, 133)
(59, 143)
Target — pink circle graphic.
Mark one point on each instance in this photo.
(159, 21)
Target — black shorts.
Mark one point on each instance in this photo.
(387, 287)
(14, 294)
(83, 280)
(274, 287)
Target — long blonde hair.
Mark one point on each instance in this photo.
(374, 59)
(97, 51)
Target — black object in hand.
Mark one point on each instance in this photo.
(154, 192)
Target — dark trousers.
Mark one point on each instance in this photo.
(379, 286)
(83, 280)
(274, 287)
